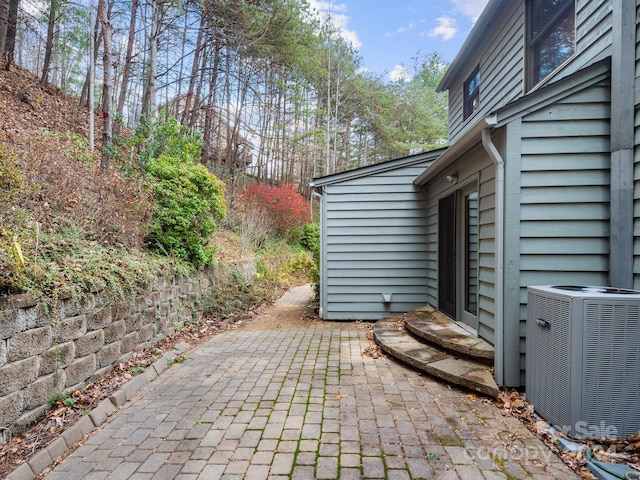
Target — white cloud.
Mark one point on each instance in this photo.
(335, 13)
(399, 73)
(446, 29)
(470, 8)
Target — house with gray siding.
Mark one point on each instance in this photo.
(539, 183)
(373, 240)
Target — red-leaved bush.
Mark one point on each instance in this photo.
(282, 206)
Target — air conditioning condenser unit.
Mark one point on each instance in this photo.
(583, 359)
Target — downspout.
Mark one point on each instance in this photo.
(498, 162)
(318, 195)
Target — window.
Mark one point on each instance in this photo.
(550, 37)
(472, 93)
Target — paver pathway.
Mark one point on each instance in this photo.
(304, 403)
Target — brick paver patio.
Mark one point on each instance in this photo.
(302, 404)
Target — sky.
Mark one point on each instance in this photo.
(388, 34)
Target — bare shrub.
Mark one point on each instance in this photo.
(63, 185)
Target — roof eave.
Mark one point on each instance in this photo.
(480, 28)
(470, 139)
(375, 168)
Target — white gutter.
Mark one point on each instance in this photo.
(498, 161)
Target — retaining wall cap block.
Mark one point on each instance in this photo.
(23, 472)
(40, 461)
(134, 385)
(150, 374)
(85, 425)
(118, 398)
(72, 435)
(57, 448)
(160, 365)
(98, 415)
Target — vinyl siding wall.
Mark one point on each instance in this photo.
(564, 195)
(473, 168)
(636, 176)
(374, 232)
(502, 59)
(501, 72)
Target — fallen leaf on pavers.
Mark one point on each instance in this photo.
(399, 325)
(633, 447)
(540, 426)
(634, 438)
(340, 396)
(373, 351)
(503, 400)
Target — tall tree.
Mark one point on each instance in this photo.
(4, 22)
(12, 28)
(107, 84)
(126, 70)
(51, 25)
(149, 95)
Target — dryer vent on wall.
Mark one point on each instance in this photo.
(583, 359)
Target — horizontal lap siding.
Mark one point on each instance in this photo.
(593, 34)
(636, 175)
(376, 232)
(564, 210)
(475, 167)
(501, 74)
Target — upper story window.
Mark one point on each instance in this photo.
(472, 93)
(551, 36)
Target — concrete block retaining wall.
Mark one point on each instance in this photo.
(43, 353)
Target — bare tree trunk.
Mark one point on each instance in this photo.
(126, 70)
(4, 22)
(97, 40)
(212, 119)
(53, 9)
(12, 28)
(186, 113)
(107, 85)
(149, 98)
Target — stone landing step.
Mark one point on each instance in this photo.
(431, 325)
(399, 343)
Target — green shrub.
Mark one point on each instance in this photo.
(188, 202)
(311, 241)
(188, 199)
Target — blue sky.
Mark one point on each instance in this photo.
(389, 33)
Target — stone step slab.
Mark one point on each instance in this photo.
(400, 344)
(431, 325)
